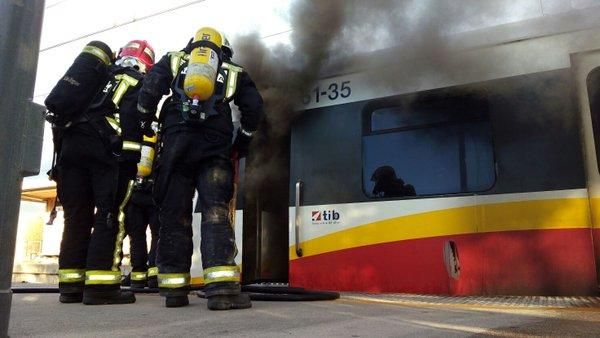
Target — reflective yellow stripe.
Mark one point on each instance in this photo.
(114, 124)
(173, 280)
(130, 145)
(102, 277)
(176, 59)
(221, 274)
(153, 271)
(125, 81)
(97, 52)
(121, 233)
(231, 78)
(71, 275)
(138, 275)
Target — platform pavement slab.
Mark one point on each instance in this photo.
(40, 315)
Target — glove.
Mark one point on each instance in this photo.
(128, 169)
(241, 145)
(146, 117)
(146, 127)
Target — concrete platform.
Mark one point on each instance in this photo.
(354, 315)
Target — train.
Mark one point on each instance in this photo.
(474, 176)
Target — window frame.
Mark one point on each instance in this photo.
(423, 97)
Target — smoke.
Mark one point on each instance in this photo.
(325, 33)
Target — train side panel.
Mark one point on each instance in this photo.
(511, 216)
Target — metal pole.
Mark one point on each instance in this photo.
(20, 30)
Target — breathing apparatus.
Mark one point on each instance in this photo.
(148, 153)
(203, 66)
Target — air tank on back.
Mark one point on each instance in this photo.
(203, 65)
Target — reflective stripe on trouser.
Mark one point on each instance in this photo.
(139, 276)
(221, 274)
(102, 277)
(173, 280)
(130, 145)
(121, 233)
(71, 275)
(153, 271)
(114, 124)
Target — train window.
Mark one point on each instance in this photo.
(421, 147)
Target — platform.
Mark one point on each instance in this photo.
(353, 315)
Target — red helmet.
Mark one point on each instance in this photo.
(137, 53)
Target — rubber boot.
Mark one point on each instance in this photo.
(139, 284)
(101, 297)
(153, 282)
(70, 298)
(176, 301)
(126, 281)
(177, 297)
(70, 293)
(229, 302)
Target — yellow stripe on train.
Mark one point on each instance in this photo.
(565, 213)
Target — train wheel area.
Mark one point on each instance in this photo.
(352, 315)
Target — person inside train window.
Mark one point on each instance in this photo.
(388, 185)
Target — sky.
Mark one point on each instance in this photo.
(167, 25)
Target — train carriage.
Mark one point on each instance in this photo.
(474, 174)
(477, 175)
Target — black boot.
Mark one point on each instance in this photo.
(138, 284)
(153, 282)
(229, 302)
(176, 301)
(70, 298)
(70, 292)
(100, 297)
(126, 281)
(176, 297)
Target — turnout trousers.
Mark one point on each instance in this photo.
(141, 213)
(195, 161)
(91, 194)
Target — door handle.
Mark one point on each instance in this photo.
(297, 219)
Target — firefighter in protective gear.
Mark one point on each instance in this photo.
(95, 168)
(196, 155)
(141, 213)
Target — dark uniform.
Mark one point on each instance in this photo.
(141, 213)
(93, 186)
(197, 156)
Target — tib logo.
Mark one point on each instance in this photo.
(325, 217)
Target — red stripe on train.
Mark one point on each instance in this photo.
(540, 262)
(596, 234)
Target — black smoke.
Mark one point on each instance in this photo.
(417, 34)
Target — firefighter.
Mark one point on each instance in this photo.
(141, 213)
(196, 155)
(99, 151)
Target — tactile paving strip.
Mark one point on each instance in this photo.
(500, 301)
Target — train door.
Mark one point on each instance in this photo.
(265, 187)
(586, 70)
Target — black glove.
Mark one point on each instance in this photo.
(146, 127)
(241, 145)
(146, 116)
(128, 170)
